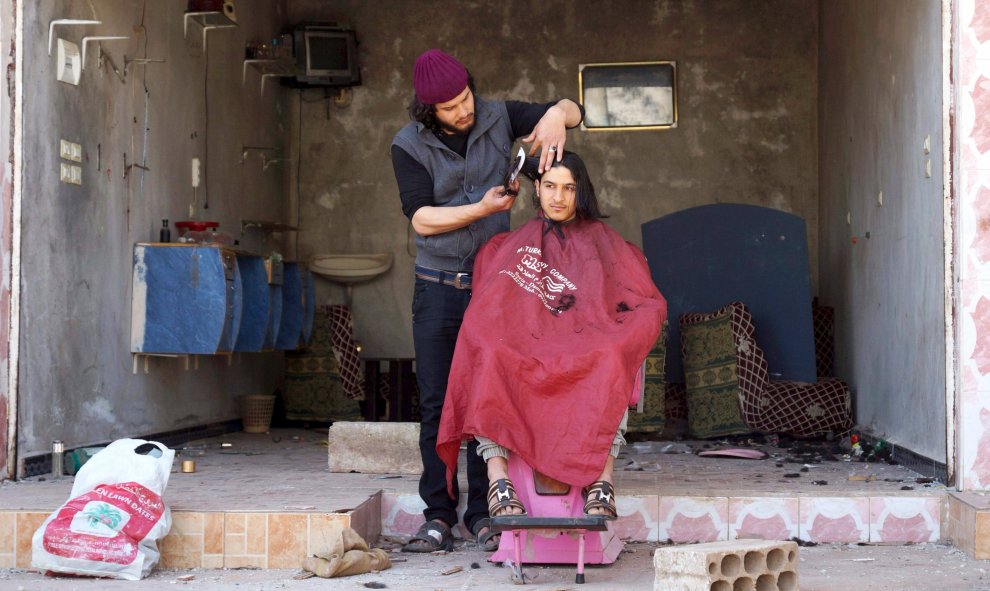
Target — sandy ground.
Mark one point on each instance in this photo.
(822, 568)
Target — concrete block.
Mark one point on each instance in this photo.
(736, 565)
(374, 448)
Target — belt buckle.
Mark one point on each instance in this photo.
(457, 280)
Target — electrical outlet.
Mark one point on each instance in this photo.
(69, 173)
(70, 150)
(68, 63)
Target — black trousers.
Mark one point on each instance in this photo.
(438, 311)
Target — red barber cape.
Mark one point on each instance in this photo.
(560, 321)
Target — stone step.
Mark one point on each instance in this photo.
(217, 539)
(968, 523)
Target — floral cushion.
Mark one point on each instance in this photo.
(675, 401)
(653, 417)
(725, 371)
(803, 410)
(316, 386)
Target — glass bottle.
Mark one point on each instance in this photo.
(58, 459)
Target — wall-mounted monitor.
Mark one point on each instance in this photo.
(326, 55)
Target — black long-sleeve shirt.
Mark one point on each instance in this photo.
(414, 180)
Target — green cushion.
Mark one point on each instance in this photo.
(653, 417)
(709, 354)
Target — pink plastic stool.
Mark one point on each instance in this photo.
(555, 529)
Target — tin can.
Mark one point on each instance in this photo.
(188, 466)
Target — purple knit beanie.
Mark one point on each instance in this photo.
(438, 77)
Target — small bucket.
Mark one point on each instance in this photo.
(256, 412)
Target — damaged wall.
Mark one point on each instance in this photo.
(747, 78)
(76, 381)
(6, 202)
(881, 96)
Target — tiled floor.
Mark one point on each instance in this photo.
(267, 499)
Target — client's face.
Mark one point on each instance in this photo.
(558, 194)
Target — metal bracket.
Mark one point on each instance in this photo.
(86, 40)
(246, 149)
(267, 68)
(265, 162)
(139, 62)
(208, 21)
(63, 22)
(145, 357)
(128, 167)
(247, 63)
(266, 227)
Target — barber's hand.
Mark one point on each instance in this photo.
(513, 188)
(549, 136)
(496, 199)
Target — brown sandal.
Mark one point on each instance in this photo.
(432, 536)
(601, 495)
(502, 497)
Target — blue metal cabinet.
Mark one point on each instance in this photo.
(186, 299)
(292, 312)
(256, 299)
(275, 273)
(298, 307)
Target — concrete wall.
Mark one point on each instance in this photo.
(6, 201)
(748, 128)
(880, 63)
(76, 381)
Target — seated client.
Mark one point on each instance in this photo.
(563, 312)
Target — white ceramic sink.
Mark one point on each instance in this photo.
(350, 268)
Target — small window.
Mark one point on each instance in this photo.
(626, 96)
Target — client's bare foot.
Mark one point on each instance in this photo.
(502, 497)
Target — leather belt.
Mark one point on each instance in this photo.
(458, 280)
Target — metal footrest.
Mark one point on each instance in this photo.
(513, 522)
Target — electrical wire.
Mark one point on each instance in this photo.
(302, 99)
(206, 126)
(295, 222)
(147, 107)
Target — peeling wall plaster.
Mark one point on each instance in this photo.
(747, 133)
(76, 382)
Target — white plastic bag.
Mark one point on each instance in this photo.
(111, 524)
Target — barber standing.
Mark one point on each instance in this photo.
(449, 164)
